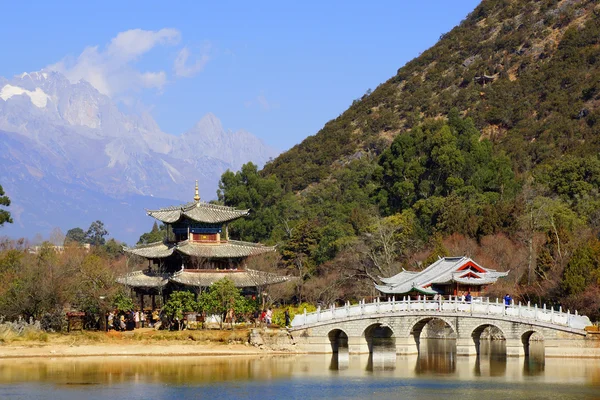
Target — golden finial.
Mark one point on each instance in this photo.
(197, 196)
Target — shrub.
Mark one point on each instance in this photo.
(279, 314)
(53, 321)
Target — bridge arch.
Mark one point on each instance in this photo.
(338, 339)
(479, 329)
(379, 333)
(494, 331)
(417, 327)
(526, 337)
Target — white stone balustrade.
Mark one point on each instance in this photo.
(481, 307)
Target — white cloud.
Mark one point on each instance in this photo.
(262, 103)
(111, 70)
(133, 43)
(183, 69)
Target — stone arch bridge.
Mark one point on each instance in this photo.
(356, 327)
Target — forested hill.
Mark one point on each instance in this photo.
(542, 59)
(486, 145)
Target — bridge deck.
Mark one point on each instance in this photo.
(548, 318)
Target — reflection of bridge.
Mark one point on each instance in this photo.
(403, 321)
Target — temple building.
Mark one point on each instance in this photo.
(446, 276)
(197, 251)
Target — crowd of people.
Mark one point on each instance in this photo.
(126, 321)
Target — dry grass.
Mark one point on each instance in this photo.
(138, 336)
(8, 336)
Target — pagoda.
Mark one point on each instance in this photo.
(197, 252)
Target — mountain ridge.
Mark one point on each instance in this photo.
(84, 139)
(519, 44)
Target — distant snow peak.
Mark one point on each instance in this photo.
(38, 97)
(37, 75)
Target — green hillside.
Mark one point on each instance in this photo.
(486, 144)
(543, 100)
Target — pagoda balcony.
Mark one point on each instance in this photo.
(174, 241)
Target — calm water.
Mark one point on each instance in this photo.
(436, 372)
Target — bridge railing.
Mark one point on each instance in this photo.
(478, 306)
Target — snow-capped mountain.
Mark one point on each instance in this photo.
(63, 138)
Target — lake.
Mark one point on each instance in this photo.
(436, 372)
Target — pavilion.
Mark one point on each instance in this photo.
(446, 276)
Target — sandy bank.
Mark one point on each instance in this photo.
(145, 342)
(129, 349)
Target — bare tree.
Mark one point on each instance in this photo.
(57, 237)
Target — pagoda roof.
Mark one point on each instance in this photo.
(446, 270)
(240, 278)
(201, 278)
(152, 250)
(144, 279)
(229, 249)
(198, 211)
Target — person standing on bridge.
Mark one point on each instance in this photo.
(507, 300)
(286, 314)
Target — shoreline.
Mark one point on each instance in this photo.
(11, 351)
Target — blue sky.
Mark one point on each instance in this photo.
(277, 69)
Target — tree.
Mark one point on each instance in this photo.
(222, 297)
(583, 268)
(113, 248)
(270, 263)
(39, 286)
(57, 237)
(178, 304)
(122, 302)
(95, 233)
(439, 250)
(246, 189)
(75, 235)
(157, 234)
(385, 242)
(96, 287)
(4, 215)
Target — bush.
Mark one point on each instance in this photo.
(279, 314)
(53, 321)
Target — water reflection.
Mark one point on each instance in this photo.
(340, 360)
(383, 356)
(172, 370)
(535, 362)
(436, 356)
(436, 363)
(492, 358)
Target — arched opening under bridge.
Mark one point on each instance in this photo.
(436, 343)
(339, 340)
(382, 347)
(340, 357)
(533, 348)
(490, 343)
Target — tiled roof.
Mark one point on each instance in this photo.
(144, 279)
(445, 270)
(198, 211)
(152, 250)
(240, 278)
(202, 278)
(231, 249)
